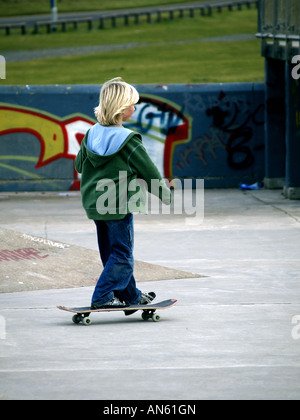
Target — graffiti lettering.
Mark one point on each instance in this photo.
(21, 254)
(233, 118)
(231, 131)
(184, 131)
(163, 126)
(160, 121)
(202, 146)
(163, 117)
(59, 137)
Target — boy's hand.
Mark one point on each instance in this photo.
(172, 184)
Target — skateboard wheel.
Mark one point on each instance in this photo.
(87, 321)
(77, 319)
(145, 316)
(156, 317)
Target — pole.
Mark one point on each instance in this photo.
(53, 10)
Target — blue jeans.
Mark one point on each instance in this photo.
(115, 242)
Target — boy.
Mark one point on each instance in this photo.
(111, 160)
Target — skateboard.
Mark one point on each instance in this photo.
(82, 314)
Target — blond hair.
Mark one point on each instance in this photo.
(115, 97)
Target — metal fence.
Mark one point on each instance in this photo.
(132, 16)
(279, 28)
(278, 17)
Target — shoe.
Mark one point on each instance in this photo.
(113, 303)
(145, 299)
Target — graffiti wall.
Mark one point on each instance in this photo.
(215, 132)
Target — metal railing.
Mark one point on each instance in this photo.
(8, 26)
(135, 16)
(279, 28)
(278, 17)
(51, 25)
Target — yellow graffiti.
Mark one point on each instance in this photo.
(48, 130)
(59, 137)
(20, 171)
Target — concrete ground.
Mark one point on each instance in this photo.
(235, 333)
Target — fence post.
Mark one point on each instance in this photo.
(275, 124)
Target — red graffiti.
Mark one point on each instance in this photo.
(21, 254)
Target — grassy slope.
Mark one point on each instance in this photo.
(191, 62)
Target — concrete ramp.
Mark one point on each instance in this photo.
(34, 263)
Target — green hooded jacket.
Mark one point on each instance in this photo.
(116, 174)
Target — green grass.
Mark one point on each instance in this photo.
(189, 63)
(162, 61)
(225, 23)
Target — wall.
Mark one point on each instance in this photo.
(215, 132)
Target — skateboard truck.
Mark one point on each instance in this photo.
(86, 320)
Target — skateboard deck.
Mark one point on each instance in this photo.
(82, 314)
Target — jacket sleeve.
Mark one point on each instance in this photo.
(81, 156)
(140, 162)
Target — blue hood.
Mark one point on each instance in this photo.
(105, 141)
